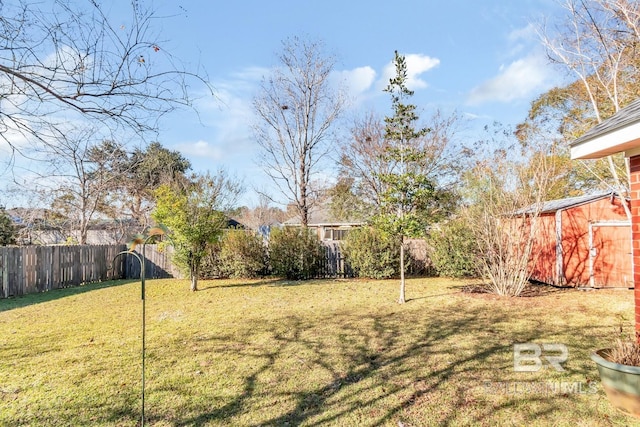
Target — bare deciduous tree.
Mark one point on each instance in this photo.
(597, 43)
(78, 178)
(63, 60)
(504, 200)
(296, 109)
(362, 156)
(264, 214)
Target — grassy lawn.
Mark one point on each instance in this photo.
(274, 353)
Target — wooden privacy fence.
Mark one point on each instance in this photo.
(334, 264)
(158, 263)
(30, 269)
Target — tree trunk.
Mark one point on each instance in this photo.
(401, 300)
(84, 223)
(194, 279)
(302, 204)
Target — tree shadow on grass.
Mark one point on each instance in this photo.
(431, 296)
(272, 282)
(344, 369)
(13, 303)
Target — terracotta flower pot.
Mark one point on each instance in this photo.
(620, 382)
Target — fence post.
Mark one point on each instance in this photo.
(5, 272)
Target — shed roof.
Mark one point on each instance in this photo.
(618, 133)
(560, 204)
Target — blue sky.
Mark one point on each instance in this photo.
(480, 58)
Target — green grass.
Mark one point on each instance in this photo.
(274, 353)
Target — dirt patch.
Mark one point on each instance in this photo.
(532, 290)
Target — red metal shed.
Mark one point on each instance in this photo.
(583, 242)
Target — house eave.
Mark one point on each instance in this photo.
(601, 145)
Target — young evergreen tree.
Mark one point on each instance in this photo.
(409, 194)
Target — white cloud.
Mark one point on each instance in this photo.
(526, 33)
(223, 138)
(251, 74)
(518, 80)
(417, 64)
(521, 40)
(200, 149)
(358, 80)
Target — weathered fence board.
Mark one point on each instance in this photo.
(334, 264)
(30, 269)
(158, 263)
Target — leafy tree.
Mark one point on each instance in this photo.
(410, 199)
(195, 217)
(142, 172)
(7, 230)
(560, 115)
(296, 109)
(345, 204)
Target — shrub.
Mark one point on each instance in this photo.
(210, 268)
(372, 253)
(295, 253)
(242, 255)
(453, 251)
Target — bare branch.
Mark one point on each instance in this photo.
(296, 108)
(62, 61)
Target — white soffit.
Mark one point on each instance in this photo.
(623, 139)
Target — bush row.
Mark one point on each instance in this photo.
(292, 253)
(296, 254)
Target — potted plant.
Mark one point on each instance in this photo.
(619, 369)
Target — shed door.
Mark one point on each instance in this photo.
(610, 256)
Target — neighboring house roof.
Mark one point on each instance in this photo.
(319, 217)
(232, 223)
(616, 134)
(560, 204)
(21, 215)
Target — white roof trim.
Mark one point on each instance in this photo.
(622, 139)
